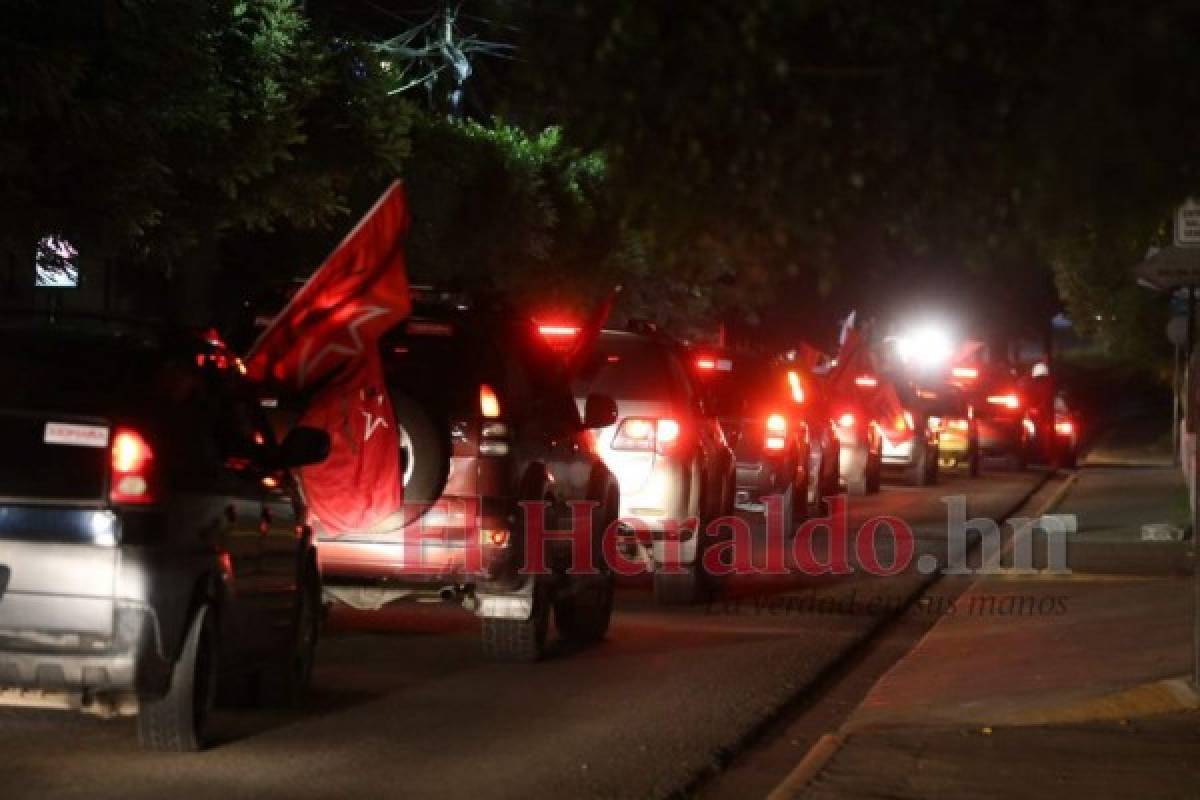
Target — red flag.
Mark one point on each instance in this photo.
(360, 483)
(589, 334)
(879, 400)
(325, 342)
(358, 293)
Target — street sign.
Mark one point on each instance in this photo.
(56, 263)
(1171, 268)
(1187, 224)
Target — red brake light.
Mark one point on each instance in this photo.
(1064, 427)
(846, 420)
(965, 373)
(131, 468)
(866, 381)
(489, 404)
(1010, 400)
(558, 331)
(668, 432)
(639, 433)
(706, 363)
(777, 426)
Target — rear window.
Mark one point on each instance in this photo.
(75, 368)
(745, 389)
(628, 368)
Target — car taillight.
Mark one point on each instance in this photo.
(713, 364)
(667, 432)
(846, 420)
(965, 373)
(489, 404)
(866, 381)
(558, 331)
(797, 388)
(493, 439)
(639, 433)
(1064, 427)
(777, 426)
(132, 469)
(958, 424)
(1009, 400)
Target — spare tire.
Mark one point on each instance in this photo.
(424, 450)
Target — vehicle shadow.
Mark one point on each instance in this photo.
(234, 720)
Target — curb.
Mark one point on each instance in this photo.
(1159, 697)
(813, 762)
(828, 745)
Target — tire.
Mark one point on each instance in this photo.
(682, 588)
(424, 451)
(827, 487)
(518, 641)
(583, 615)
(917, 473)
(789, 511)
(287, 683)
(177, 722)
(874, 473)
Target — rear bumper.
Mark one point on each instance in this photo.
(439, 546)
(131, 660)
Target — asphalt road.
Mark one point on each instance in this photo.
(404, 706)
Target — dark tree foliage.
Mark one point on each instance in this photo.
(153, 133)
(862, 145)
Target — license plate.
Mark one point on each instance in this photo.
(76, 435)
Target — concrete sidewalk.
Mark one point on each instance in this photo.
(1046, 685)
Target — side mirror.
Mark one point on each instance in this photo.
(600, 411)
(304, 446)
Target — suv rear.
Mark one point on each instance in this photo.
(675, 469)
(486, 423)
(150, 537)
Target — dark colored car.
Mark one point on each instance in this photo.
(151, 540)
(764, 411)
(487, 422)
(1004, 429)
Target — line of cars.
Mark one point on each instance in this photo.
(154, 541)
